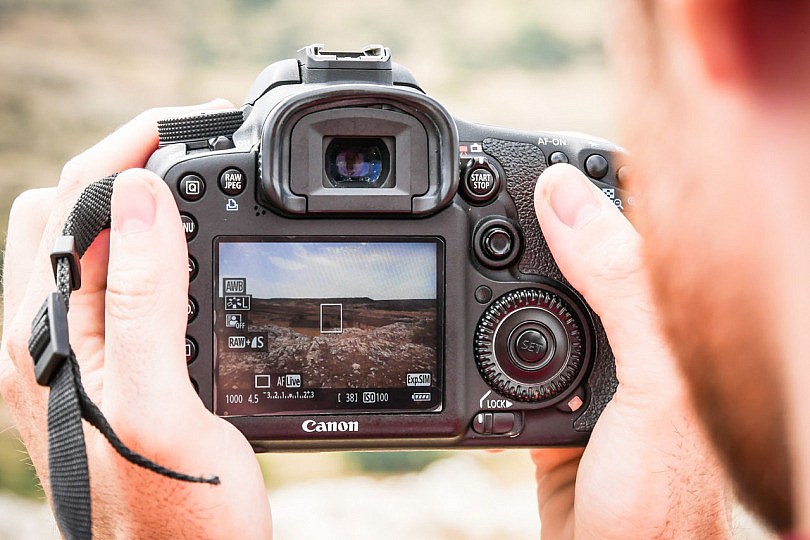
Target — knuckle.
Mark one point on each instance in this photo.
(150, 117)
(8, 381)
(29, 202)
(74, 174)
(132, 292)
(17, 342)
(624, 262)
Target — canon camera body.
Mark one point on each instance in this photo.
(367, 271)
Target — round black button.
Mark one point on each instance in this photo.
(192, 309)
(596, 166)
(191, 187)
(189, 226)
(192, 268)
(531, 346)
(483, 294)
(191, 350)
(232, 181)
(557, 157)
(480, 181)
(497, 243)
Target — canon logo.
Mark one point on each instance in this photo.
(311, 425)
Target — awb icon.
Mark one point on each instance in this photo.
(234, 285)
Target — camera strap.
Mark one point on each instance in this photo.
(55, 365)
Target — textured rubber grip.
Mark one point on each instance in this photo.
(523, 163)
(199, 127)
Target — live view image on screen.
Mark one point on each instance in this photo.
(327, 326)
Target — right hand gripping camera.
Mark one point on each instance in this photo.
(367, 271)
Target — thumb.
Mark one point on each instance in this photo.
(146, 298)
(599, 252)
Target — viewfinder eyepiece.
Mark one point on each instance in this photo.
(357, 163)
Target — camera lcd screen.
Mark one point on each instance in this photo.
(344, 325)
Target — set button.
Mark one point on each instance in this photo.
(191, 187)
(531, 346)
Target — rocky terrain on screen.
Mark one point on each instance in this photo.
(380, 343)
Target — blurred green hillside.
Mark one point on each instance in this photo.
(71, 71)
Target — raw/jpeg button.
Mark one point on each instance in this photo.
(232, 181)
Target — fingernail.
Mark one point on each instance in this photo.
(572, 201)
(133, 205)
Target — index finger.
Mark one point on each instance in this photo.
(127, 147)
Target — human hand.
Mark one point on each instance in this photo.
(647, 471)
(127, 327)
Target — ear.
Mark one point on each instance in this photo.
(759, 44)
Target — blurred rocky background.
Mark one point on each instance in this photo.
(71, 71)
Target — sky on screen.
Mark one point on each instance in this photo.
(378, 270)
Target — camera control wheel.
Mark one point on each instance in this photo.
(532, 345)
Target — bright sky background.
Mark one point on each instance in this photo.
(378, 270)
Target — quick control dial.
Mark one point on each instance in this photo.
(532, 344)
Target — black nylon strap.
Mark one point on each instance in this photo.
(68, 402)
(67, 456)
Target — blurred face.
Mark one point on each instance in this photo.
(709, 226)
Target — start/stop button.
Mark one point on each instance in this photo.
(480, 180)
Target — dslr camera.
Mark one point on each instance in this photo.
(367, 271)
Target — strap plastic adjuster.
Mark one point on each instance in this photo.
(65, 247)
(50, 345)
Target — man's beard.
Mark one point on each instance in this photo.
(717, 320)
